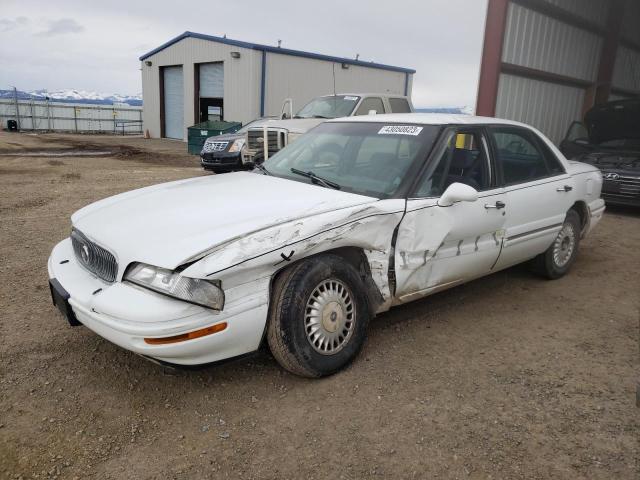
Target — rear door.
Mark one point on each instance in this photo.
(537, 192)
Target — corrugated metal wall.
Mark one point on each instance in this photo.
(631, 21)
(303, 79)
(537, 41)
(626, 73)
(547, 106)
(73, 117)
(595, 11)
(241, 80)
(551, 70)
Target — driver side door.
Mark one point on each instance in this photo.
(438, 247)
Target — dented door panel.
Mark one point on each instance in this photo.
(438, 247)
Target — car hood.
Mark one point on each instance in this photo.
(614, 121)
(297, 125)
(227, 137)
(617, 162)
(168, 224)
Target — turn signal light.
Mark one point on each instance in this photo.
(203, 332)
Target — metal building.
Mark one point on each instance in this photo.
(546, 62)
(195, 77)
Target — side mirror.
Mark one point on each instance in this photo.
(372, 112)
(458, 192)
(287, 109)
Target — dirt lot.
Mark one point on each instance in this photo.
(507, 377)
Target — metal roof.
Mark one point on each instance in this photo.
(282, 51)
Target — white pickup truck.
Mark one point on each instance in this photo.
(281, 132)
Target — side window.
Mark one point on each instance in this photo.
(399, 105)
(463, 160)
(370, 103)
(521, 160)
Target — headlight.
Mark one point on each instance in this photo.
(193, 290)
(237, 145)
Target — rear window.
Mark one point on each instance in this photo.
(399, 105)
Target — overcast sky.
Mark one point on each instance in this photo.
(95, 45)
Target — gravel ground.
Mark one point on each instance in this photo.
(507, 377)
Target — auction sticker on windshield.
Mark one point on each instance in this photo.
(400, 130)
(351, 99)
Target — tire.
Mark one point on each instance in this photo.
(557, 260)
(338, 323)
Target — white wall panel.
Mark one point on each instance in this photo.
(241, 80)
(547, 106)
(303, 79)
(537, 41)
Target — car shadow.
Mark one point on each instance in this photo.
(624, 210)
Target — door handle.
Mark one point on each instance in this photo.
(498, 205)
(566, 188)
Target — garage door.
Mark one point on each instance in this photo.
(173, 103)
(212, 80)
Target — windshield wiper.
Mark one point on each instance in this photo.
(262, 168)
(316, 179)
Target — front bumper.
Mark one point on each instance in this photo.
(617, 199)
(221, 160)
(126, 314)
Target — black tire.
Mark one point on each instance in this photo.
(547, 264)
(291, 327)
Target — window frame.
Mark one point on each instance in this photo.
(404, 99)
(535, 140)
(432, 162)
(364, 99)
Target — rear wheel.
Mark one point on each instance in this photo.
(557, 260)
(318, 316)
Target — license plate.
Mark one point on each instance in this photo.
(60, 298)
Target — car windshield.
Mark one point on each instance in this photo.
(365, 158)
(335, 106)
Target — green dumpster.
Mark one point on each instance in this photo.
(199, 132)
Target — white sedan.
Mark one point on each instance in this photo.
(357, 216)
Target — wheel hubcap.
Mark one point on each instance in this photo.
(564, 245)
(329, 317)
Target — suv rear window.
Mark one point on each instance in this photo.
(399, 105)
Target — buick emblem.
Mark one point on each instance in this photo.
(611, 176)
(84, 254)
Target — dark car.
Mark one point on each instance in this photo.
(223, 153)
(609, 139)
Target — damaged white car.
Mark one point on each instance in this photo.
(357, 216)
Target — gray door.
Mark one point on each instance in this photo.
(173, 103)
(212, 80)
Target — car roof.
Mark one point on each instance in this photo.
(388, 95)
(429, 119)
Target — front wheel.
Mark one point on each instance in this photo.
(557, 260)
(318, 316)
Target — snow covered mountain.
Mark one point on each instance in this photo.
(75, 96)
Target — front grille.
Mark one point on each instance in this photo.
(255, 142)
(624, 185)
(214, 146)
(93, 257)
